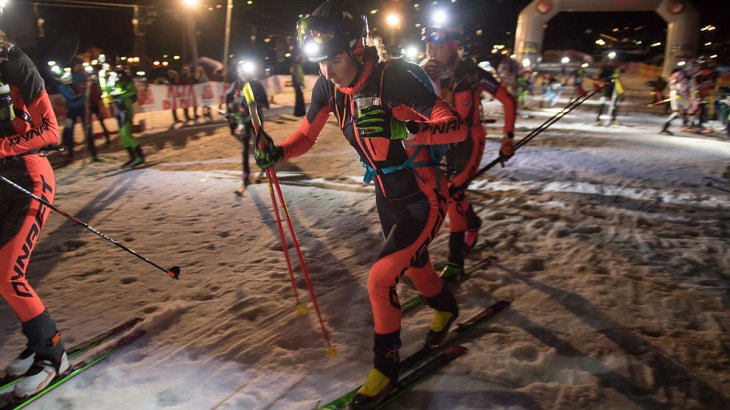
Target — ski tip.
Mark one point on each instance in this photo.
(502, 304)
(174, 272)
(456, 350)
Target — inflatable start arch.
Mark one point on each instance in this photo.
(681, 17)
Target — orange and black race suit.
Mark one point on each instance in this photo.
(22, 162)
(463, 159)
(412, 201)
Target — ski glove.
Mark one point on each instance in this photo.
(270, 154)
(377, 121)
(507, 147)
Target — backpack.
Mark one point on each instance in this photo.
(436, 151)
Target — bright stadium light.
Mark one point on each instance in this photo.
(526, 63)
(439, 17)
(611, 55)
(565, 60)
(392, 19)
(412, 53)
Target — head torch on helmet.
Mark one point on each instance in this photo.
(329, 31)
(432, 34)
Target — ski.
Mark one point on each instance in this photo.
(76, 369)
(427, 352)
(718, 186)
(9, 381)
(422, 373)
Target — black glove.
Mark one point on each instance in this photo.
(507, 147)
(377, 121)
(6, 103)
(266, 152)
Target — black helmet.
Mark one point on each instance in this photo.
(330, 30)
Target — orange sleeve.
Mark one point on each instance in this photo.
(301, 140)
(44, 131)
(444, 126)
(508, 102)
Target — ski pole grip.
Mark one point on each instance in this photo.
(254, 112)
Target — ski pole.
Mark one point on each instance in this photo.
(301, 308)
(173, 272)
(271, 176)
(542, 127)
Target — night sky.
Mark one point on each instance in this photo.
(110, 29)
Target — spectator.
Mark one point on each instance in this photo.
(240, 119)
(297, 81)
(74, 92)
(186, 78)
(201, 77)
(174, 79)
(95, 104)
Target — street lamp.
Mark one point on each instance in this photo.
(439, 18)
(192, 35)
(392, 20)
(227, 39)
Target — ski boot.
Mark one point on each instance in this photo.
(138, 156)
(665, 130)
(445, 313)
(131, 158)
(49, 357)
(384, 374)
(40, 375)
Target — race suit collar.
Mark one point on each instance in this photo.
(368, 66)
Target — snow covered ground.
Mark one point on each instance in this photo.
(612, 247)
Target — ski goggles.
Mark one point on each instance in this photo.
(320, 30)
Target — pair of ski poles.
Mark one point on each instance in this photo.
(534, 133)
(273, 182)
(173, 272)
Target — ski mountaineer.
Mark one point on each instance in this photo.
(462, 83)
(679, 99)
(392, 141)
(609, 77)
(28, 124)
(124, 95)
(239, 118)
(73, 91)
